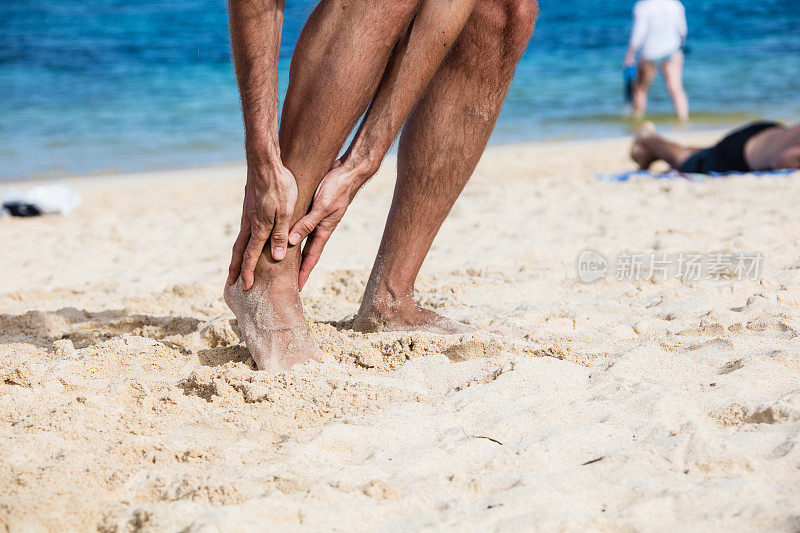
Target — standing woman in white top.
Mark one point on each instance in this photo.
(659, 32)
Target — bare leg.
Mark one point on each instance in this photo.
(649, 147)
(441, 143)
(337, 64)
(673, 78)
(644, 78)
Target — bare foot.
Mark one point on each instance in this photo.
(273, 326)
(387, 313)
(640, 153)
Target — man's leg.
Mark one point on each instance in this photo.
(441, 143)
(337, 64)
(649, 147)
(673, 78)
(644, 78)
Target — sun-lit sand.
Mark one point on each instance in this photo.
(127, 402)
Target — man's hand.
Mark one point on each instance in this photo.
(269, 199)
(332, 198)
(271, 190)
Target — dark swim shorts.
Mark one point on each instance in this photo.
(728, 154)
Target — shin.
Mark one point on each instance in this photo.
(456, 115)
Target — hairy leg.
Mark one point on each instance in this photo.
(673, 78)
(337, 64)
(644, 78)
(415, 60)
(649, 147)
(441, 143)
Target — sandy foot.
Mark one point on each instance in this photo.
(273, 326)
(640, 153)
(381, 314)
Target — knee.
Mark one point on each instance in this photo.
(525, 13)
(643, 83)
(675, 88)
(509, 21)
(520, 18)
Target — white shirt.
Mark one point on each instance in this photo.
(659, 28)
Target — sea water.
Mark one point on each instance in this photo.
(103, 86)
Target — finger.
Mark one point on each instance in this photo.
(237, 256)
(250, 257)
(311, 254)
(303, 227)
(280, 234)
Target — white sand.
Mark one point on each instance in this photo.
(127, 402)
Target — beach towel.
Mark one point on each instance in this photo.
(42, 200)
(674, 174)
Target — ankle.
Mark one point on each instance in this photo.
(278, 278)
(388, 302)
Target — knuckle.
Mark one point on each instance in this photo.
(259, 229)
(250, 255)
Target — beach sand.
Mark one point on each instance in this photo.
(127, 402)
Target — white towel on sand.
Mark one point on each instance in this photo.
(47, 199)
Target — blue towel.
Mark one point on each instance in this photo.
(674, 174)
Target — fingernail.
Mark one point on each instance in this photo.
(294, 238)
(278, 252)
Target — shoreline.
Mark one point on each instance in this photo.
(576, 128)
(685, 135)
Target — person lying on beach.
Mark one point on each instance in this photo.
(440, 70)
(755, 147)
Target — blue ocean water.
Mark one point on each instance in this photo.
(92, 86)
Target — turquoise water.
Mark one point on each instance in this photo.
(114, 86)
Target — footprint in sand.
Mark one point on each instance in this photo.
(472, 350)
